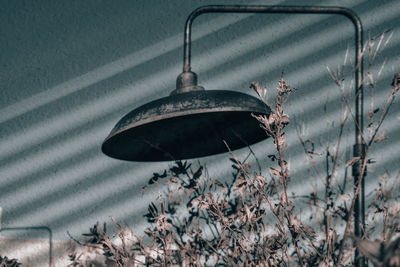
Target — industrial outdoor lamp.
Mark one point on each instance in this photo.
(187, 125)
(192, 122)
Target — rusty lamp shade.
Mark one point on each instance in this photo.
(190, 123)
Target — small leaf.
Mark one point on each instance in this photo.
(380, 138)
(180, 192)
(345, 197)
(309, 146)
(218, 183)
(189, 192)
(233, 160)
(153, 180)
(260, 179)
(144, 188)
(274, 171)
(170, 196)
(198, 173)
(272, 157)
(352, 161)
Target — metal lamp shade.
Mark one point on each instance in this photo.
(187, 125)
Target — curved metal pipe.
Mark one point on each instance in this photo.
(359, 147)
(40, 228)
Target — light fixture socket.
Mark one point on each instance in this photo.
(186, 82)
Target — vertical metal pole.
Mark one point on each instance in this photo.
(359, 148)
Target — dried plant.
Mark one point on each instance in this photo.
(250, 219)
(6, 262)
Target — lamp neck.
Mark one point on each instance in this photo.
(187, 82)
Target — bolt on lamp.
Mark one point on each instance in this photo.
(192, 122)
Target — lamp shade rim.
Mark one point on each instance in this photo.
(206, 105)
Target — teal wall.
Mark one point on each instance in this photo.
(69, 70)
